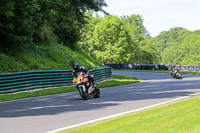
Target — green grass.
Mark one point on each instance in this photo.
(181, 117)
(117, 80)
(39, 57)
(195, 73)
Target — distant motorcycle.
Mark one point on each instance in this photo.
(85, 87)
(175, 74)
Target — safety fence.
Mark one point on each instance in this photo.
(20, 81)
(154, 67)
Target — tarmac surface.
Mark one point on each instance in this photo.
(47, 113)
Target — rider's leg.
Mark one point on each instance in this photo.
(91, 79)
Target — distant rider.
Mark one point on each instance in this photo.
(173, 71)
(77, 68)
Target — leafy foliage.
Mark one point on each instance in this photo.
(115, 39)
(18, 22)
(190, 50)
(31, 33)
(22, 22)
(178, 46)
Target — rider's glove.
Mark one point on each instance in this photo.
(86, 75)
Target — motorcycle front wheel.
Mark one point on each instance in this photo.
(83, 93)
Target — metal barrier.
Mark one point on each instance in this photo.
(135, 66)
(19, 81)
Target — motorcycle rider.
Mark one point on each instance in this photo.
(173, 72)
(77, 68)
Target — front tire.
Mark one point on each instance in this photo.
(97, 95)
(83, 93)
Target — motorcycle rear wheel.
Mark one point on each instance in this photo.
(97, 95)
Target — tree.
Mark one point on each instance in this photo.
(111, 42)
(197, 32)
(88, 30)
(178, 46)
(147, 53)
(138, 33)
(67, 17)
(115, 39)
(28, 22)
(18, 22)
(190, 50)
(168, 43)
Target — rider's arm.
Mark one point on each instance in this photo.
(73, 72)
(84, 69)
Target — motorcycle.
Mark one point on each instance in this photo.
(85, 87)
(176, 74)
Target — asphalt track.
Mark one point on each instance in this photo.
(47, 113)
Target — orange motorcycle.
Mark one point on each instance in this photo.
(85, 87)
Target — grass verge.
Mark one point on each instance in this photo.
(195, 73)
(180, 117)
(44, 57)
(117, 80)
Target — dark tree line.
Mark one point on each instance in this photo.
(26, 22)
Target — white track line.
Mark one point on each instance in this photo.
(123, 113)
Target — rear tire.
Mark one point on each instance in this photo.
(97, 95)
(83, 93)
